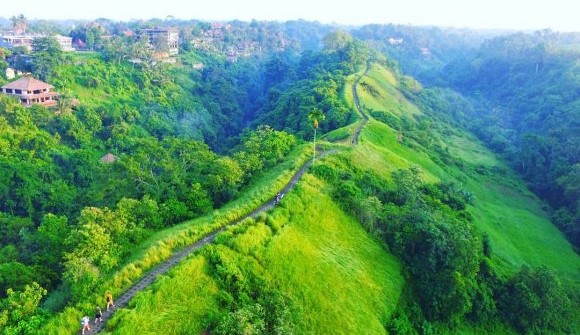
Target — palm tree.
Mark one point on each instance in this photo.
(315, 116)
(19, 24)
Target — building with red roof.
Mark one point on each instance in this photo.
(31, 91)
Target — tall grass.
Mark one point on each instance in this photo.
(341, 278)
(179, 303)
(337, 278)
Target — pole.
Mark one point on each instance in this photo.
(314, 148)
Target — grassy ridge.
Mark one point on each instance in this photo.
(337, 278)
(378, 91)
(343, 280)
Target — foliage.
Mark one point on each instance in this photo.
(438, 246)
(47, 56)
(537, 301)
(263, 148)
(19, 312)
(323, 93)
(54, 183)
(181, 151)
(252, 307)
(522, 101)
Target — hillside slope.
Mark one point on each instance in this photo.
(308, 256)
(309, 266)
(318, 263)
(519, 229)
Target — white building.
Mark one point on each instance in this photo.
(65, 42)
(163, 35)
(26, 41)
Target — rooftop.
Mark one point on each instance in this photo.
(109, 158)
(27, 83)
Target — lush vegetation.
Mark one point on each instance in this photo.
(69, 218)
(418, 229)
(516, 92)
(314, 83)
(438, 219)
(299, 269)
(525, 89)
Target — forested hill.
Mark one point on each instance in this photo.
(135, 146)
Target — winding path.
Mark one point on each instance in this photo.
(177, 257)
(364, 117)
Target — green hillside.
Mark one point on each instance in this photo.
(312, 265)
(328, 272)
(405, 222)
(519, 228)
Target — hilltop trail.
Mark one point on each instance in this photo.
(364, 117)
(177, 257)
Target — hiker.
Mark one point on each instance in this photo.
(98, 315)
(85, 321)
(109, 298)
(278, 197)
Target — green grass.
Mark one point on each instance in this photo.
(381, 153)
(471, 150)
(176, 304)
(338, 279)
(343, 280)
(519, 229)
(384, 95)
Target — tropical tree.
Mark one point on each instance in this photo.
(64, 103)
(315, 116)
(47, 56)
(19, 23)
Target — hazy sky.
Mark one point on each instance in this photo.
(563, 15)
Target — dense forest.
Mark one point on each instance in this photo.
(136, 145)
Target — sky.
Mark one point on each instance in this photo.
(561, 15)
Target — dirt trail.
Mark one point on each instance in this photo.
(177, 257)
(364, 117)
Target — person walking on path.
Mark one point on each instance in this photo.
(85, 322)
(98, 315)
(109, 299)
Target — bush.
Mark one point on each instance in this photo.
(537, 302)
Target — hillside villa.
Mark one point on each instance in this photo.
(31, 91)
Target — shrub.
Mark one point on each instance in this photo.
(536, 301)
